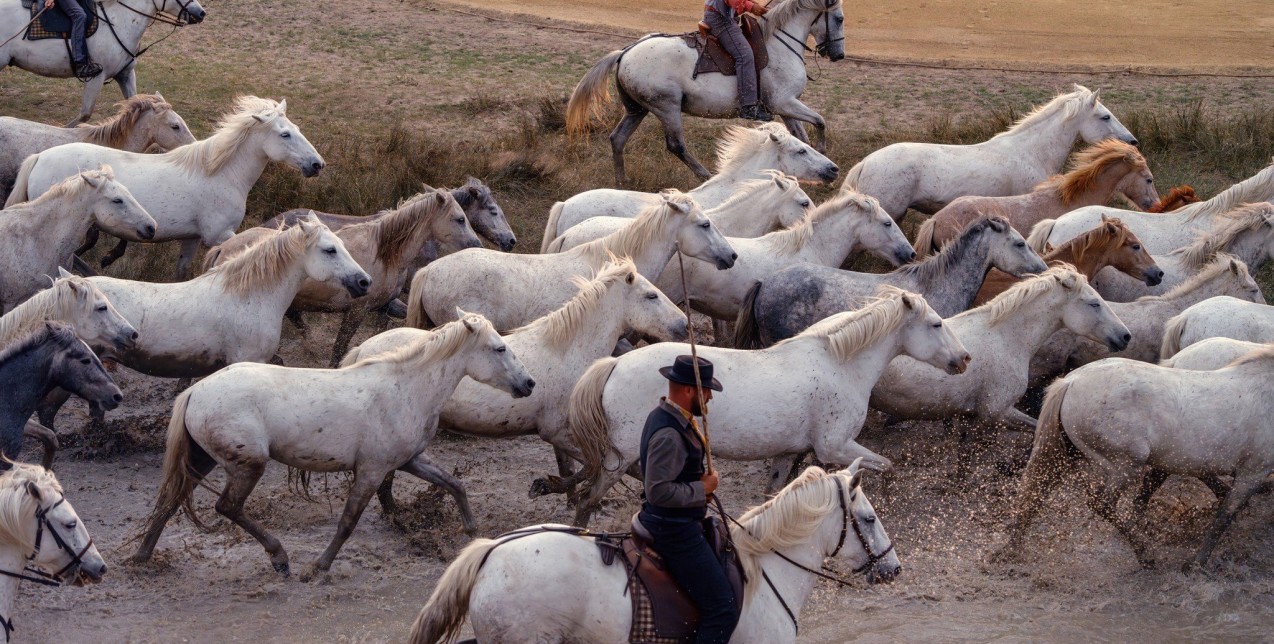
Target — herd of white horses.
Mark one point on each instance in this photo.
(1147, 327)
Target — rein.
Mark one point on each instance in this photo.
(157, 16)
(819, 48)
(55, 580)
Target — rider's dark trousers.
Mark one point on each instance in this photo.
(688, 557)
(731, 36)
(79, 29)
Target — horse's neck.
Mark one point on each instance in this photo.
(1251, 249)
(957, 287)
(1102, 190)
(833, 239)
(66, 224)
(764, 617)
(1204, 291)
(25, 390)
(1027, 328)
(1045, 144)
(128, 25)
(657, 253)
(278, 296)
(245, 166)
(798, 26)
(432, 385)
(1089, 264)
(11, 560)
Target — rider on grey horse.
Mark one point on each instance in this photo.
(722, 17)
(83, 68)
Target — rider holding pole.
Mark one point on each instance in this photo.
(722, 18)
(677, 487)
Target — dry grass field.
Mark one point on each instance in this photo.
(399, 92)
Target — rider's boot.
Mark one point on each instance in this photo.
(755, 113)
(86, 71)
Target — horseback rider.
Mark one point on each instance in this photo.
(677, 487)
(83, 68)
(722, 18)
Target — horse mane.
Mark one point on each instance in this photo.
(439, 345)
(1206, 244)
(54, 303)
(935, 266)
(67, 188)
(213, 153)
(790, 241)
(781, 11)
(114, 130)
(1176, 198)
(398, 227)
(1090, 163)
(1029, 290)
(263, 264)
(51, 331)
(786, 520)
(849, 332)
(561, 326)
(1220, 263)
(738, 143)
(746, 191)
(18, 507)
(1098, 237)
(465, 195)
(632, 239)
(1258, 187)
(1067, 103)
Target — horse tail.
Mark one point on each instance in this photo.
(19, 193)
(924, 239)
(178, 483)
(852, 178)
(416, 316)
(592, 94)
(587, 415)
(443, 615)
(550, 228)
(747, 332)
(351, 357)
(1038, 239)
(1173, 331)
(556, 246)
(1049, 456)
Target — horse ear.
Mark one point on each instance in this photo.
(464, 318)
(440, 198)
(1067, 280)
(774, 136)
(283, 106)
(62, 272)
(1234, 267)
(260, 118)
(908, 302)
(630, 278)
(92, 179)
(1104, 218)
(34, 491)
(998, 224)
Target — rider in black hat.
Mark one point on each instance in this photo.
(677, 486)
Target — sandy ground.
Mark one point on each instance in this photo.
(1157, 33)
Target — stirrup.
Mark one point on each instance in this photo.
(755, 113)
(86, 72)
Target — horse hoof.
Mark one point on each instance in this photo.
(282, 568)
(539, 487)
(315, 573)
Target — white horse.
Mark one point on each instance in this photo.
(1212, 354)
(513, 290)
(1160, 232)
(1246, 232)
(40, 528)
(199, 191)
(556, 348)
(806, 523)
(1218, 317)
(38, 237)
(372, 418)
(141, 122)
(756, 207)
(115, 46)
(1132, 419)
(928, 176)
(839, 359)
(656, 74)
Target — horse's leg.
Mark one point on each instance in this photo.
(843, 455)
(350, 322)
(1245, 485)
(601, 484)
(423, 468)
(797, 128)
(565, 481)
(782, 471)
(187, 257)
(1150, 483)
(365, 482)
(792, 108)
(200, 465)
(619, 136)
(91, 90)
(294, 316)
(115, 253)
(675, 140)
(1218, 487)
(241, 478)
(721, 335)
(47, 411)
(1103, 499)
(46, 437)
(1016, 420)
(90, 240)
(385, 494)
(127, 80)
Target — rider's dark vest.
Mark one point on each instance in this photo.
(692, 471)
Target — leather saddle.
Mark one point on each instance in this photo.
(714, 59)
(662, 612)
(54, 23)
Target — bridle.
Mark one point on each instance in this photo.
(820, 48)
(847, 520)
(39, 576)
(157, 15)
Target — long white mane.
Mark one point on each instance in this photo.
(791, 240)
(1029, 290)
(738, 144)
(782, 11)
(849, 332)
(212, 153)
(18, 507)
(561, 326)
(1067, 104)
(58, 302)
(1245, 218)
(633, 238)
(1258, 187)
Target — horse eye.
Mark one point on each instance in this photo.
(706, 225)
(803, 151)
(70, 525)
(459, 220)
(117, 200)
(1106, 117)
(1096, 305)
(500, 349)
(839, 20)
(101, 309)
(652, 296)
(286, 135)
(889, 223)
(1150, 180)
(870, 519)
(330, 251)
(1136, 247)
(85, 361)
(176, 127)
(937, 325)
(805, 204)
(1020, 244)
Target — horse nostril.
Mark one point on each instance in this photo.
(364, 283)
(1133, 142)
(734, 256)
(1160, 274)
(135, 335)
(1127, 337)
(102, 571)
(530, 384)
(118, 397)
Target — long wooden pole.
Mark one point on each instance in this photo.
(694, 357)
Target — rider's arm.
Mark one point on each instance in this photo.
(740, 6)
(665, 456)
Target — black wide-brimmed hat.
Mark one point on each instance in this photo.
(682, 372)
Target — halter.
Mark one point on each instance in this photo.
(44, 578)
(820, 48)
(157, 15)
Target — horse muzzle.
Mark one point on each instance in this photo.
(724, 263)
(829, 173)
(959, 365)
(524, 389)
(146, 232)
(112, 401)
(507, 243)
(125, 340)
(904, 255)
(679, 331)
(1152, 276)
(193, 16)
(1118, 343)
(357, 285)
(883, 574)
(312, 168)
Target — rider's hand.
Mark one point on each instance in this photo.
(710, 481)
(758, 9)
(48, 4)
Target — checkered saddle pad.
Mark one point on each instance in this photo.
(56, 24)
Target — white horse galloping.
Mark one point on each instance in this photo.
(756, 207)
(1160, 232)
(38, 237)
(379, 414)
(75, 301)
(115, 46)
(1132, 419)
(1218, 317)
(513, 290)
(806, 523)
(197, 192)
(842, 357)
(656, 75)
(928, 176)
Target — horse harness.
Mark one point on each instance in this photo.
(820, 48)
(182, 19)
(41, 577)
